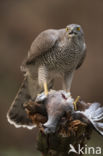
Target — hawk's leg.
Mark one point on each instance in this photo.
(45, 88)
(68, 77)
(42, 78)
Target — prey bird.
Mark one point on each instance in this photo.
(54, 53)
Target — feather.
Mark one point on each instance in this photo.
(17, 114)
(95, 115)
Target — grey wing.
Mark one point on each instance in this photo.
(83, 56)
(17, 114)
(94, 113)
(43, 42)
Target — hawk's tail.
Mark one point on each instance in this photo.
(17, 114)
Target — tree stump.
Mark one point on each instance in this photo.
(65, 128)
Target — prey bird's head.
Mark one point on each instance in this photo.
(74, 30)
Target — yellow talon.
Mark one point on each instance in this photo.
(45, 88)
(75, 102)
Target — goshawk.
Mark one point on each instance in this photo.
(53, 53)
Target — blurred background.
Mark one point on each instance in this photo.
(20, 22)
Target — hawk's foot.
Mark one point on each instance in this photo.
(68, 94)
(41, 97)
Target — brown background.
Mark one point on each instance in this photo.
(20, 22)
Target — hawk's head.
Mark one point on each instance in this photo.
(74, 30)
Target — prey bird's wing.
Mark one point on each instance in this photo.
(83, 56)
(94, 114)
(17, 114)
(43, 43)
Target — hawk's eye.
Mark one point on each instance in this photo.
(67, 29)
(78, 28)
